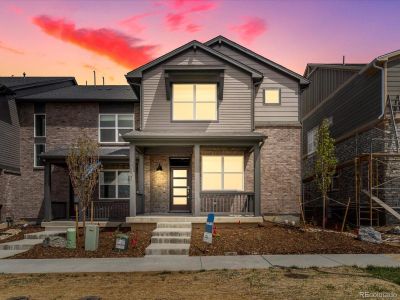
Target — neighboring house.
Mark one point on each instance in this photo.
(361, 103)
(207, 127)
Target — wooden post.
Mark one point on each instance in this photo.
(302, 211)
(77, 223)
(345, 214)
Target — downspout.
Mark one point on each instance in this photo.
(383, 79)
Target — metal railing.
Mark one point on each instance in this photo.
(113, 209)
(227, 203)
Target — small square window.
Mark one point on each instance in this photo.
(272, 96)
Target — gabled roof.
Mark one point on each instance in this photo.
(85, 93)
(258, 57)
(312, 67)
(138, 73)
(18, 83)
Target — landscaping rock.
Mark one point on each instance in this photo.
(369, 234)
(395, 230)
(55, 242)
(9, 233)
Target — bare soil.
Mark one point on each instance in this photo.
(333, 283)
(272, 238)
(142, 234)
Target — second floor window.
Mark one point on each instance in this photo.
(194, 102)
(113, 126)
(312, 140)
(37, 150)
(40, 125)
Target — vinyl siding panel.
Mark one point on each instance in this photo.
(234, 111)
(393, 77)
(289, 108)
(9, 137)
(355, 105)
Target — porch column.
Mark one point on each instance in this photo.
(47, 191)
(257, 180)
(132, 172)
(141, 174)
(196, 151)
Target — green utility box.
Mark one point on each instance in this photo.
(71, 238)
(121, 242)
(91, 237)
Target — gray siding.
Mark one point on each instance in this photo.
(355, 105)
(323, 83)
(234, 111)
(393, 77)
(288, 111)
(9, 137)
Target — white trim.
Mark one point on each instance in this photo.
(116, 185)
(116, 128)
(222, 173)
(34, 154)
(279, 96)
(34, 125)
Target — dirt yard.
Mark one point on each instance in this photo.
(271, 238)
(335, 283)
(142, 234)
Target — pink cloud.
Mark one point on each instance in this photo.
(192, 27)
(120, 48)
(250, 29)
(10, 49)
(174, 21)
(133, 22)
(15, 9)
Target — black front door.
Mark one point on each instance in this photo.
(180, 189)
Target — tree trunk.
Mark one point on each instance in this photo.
(323, 211)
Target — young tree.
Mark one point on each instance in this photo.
(325, 165)
(84, 167)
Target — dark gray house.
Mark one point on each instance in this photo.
(207, 127)
(361, 101)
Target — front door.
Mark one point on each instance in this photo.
(180, 189)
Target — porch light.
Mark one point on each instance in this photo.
(159, 168)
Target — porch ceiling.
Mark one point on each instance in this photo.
(154, 138)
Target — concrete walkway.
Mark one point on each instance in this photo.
(193, 263)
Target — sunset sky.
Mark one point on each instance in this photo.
(72, 38)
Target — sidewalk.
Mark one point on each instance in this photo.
(193, 263)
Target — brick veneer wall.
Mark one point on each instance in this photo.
(280, 170)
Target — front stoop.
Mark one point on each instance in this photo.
(170, 238)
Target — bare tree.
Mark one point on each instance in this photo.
(84, 167)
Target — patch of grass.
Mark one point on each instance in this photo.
(377, 288)
(387, 273)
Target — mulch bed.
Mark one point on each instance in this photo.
(271, 238)
(20, 236)
(106, 245)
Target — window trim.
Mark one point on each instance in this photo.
(34, 125)
(314, 131)
(194, 104)
(116, 128)
(223, 173)
(34, 155)
(272, 89)
(116, 186)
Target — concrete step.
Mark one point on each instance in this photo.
(42, 234)
(168, 249)
(9, 253)
(58, 228)
(170, 240)
(20, 245)
(172, 232)
(174, 225)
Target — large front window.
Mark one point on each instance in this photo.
(194, 102)
(222, 173)
(114, 184)
(113, 126)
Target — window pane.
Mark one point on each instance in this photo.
(212, 163)
(180, 191)
(39, 149)
(206, 92)
(125, 121)
(123, 178)
(206, 111)
(211, 181)
(182, 92)
(123, 191)
(272, 96)
(107, 177)
(180, 182)
(233, 181)
(121, 132)
(107, 121)
(179, 200)
(40, 125)
(183, 111)
(107, 135)
(233, 164)
(107, 191)
(179, 173)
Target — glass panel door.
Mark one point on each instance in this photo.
(180, 189)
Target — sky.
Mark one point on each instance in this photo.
(73, 38)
